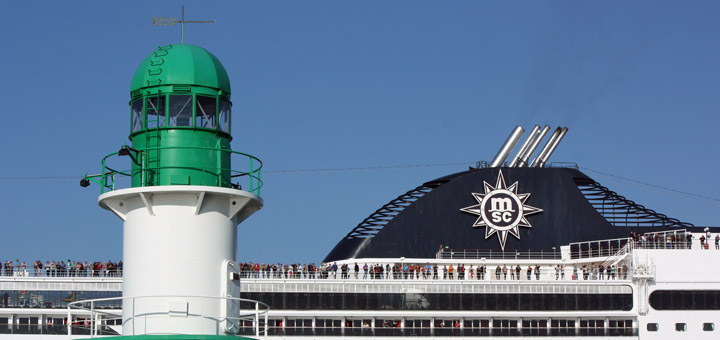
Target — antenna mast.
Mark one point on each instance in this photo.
(168, 21)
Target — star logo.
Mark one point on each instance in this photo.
(501, 210)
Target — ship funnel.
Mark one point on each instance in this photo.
(533, 145)
(507, 147)
(550, 147)
(525, 146)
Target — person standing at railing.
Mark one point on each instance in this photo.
(529, 273)
(557, 272)
(717, 241)
(575, 272)
(707, 238)
(625, 271)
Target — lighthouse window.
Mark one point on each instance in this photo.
(155, 108)
(180, 113)
(224, 116)
(205, 112)
(137, 116)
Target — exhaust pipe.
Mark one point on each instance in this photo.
(525, 146)
(535, 142)
(542, 161)
(545, 148)
(507, 147)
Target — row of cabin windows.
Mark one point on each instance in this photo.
(681, 327)
(445, 327)
(180, 110)
(442, 301)
(685, 300)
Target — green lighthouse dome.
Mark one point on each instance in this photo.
(181, 115)
(180, 125)
(181, 65)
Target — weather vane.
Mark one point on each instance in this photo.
(168, 21)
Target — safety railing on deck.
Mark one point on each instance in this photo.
(477, 254)
(602, 248)
(95, 321)
(107, 181)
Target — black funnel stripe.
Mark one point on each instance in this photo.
(622, 212)
(377, 220)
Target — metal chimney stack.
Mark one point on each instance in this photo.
(528, 147)
(550, 148)
(507, 147)
(533, 145)
(525, 146)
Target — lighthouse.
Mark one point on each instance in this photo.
(184, 201)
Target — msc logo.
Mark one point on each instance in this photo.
(501, 210)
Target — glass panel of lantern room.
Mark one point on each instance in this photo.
(155, 108)
(136, 109)
(224, 118)
(205, 112)
(180, 112)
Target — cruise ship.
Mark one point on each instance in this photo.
(515, 248)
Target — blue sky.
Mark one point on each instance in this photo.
(363, 84)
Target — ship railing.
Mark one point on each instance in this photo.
(669, 239)
(68, 274)
(568, 165)
(600, 248)
(619, 256)
(86, 318)
(478, 254)
(505, 274)
(109, 178)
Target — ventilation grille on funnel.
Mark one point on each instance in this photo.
(375, 222)
(622, 212)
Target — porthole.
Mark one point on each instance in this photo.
(652, 327)
(681, 327)
(709, 326)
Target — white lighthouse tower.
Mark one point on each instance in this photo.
(180, 214)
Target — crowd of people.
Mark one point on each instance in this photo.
(404, 271)
(427, 271)
(63, 269)
(673, 240)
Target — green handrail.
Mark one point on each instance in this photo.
(106, 178)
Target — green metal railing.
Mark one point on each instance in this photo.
(107, 181)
